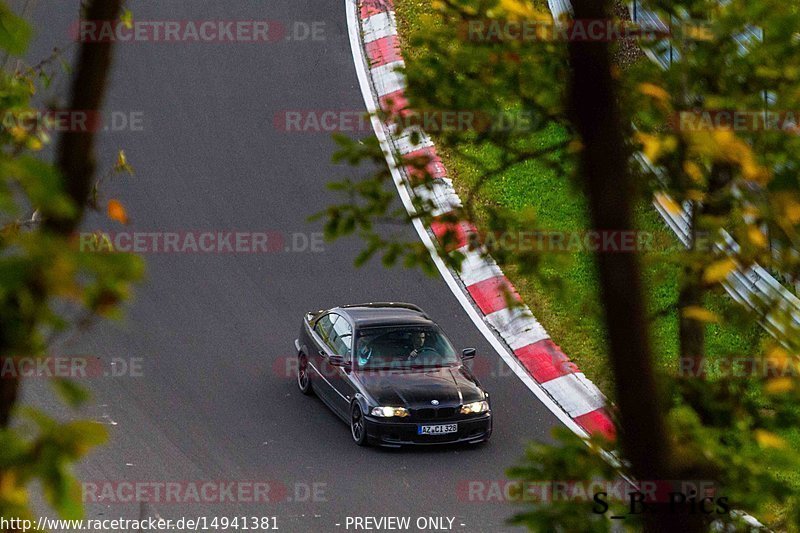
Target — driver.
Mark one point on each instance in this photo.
(364, 353)
(417, 344)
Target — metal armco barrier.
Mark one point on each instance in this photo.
(753, 286)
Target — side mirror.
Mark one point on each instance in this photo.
(338, 360)
(468, 353)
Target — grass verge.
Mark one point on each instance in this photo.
(563, 294)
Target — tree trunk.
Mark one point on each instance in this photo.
(692, 288)
(75, 154)
(604, 171)
(75, 162)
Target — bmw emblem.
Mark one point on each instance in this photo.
(435, 402)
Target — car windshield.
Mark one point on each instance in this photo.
(403, 347)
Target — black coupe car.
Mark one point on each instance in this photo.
(389, 372)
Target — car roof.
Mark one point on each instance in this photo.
(384, 314)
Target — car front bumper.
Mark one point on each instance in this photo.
(395, 433)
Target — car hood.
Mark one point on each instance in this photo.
(415, 388)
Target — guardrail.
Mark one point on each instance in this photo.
(663, 53)
(752, 286)
(559, 8)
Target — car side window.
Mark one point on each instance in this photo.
(324, 326)
(342, 338)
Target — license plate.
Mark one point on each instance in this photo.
(437, 430)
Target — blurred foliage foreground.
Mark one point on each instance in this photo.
(47, 286)
(738, 430)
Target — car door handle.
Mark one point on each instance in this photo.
(322, 353)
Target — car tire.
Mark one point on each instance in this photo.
(303, 377)
(358, 428)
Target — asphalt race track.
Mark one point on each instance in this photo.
(213, 331)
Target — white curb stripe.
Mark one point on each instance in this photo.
(443, 198)
(517, 326)
(379, 26)
(575, 394)
(386, 86)
(447, 275)
(388, 79)
(405, 145)
(476, 268)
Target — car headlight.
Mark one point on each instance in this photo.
(475, 407)
(388, 412)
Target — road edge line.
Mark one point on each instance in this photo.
(467, 301)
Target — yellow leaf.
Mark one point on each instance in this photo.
(750, 211)
(522, 10)
(700, 314)
(654, 146)
(650, 89)
(116, 211)
(651, 146)
(719, 270)
(722, 145)
(35, 144)
(12, 491)
(777, 356)
(779, 385)
(779, 364)
(792, 210)
(18, 133)
(668, 203)
(693, 170)
(122, 164)
(698, 32)
(767, 439)
(757, 236)
(127, 18)
(694, 194)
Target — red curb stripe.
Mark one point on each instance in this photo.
(394, 103)
(373, 7)
(490, 294)
(435, 167)
(459, 233)
(383, 51)
(545, 360)
(598, 422)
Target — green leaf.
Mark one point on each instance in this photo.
(86, 432)
(15, 33)
(72, 393)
